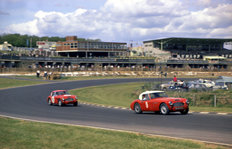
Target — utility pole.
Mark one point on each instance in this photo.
(30, 43)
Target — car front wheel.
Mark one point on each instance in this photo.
(60, 103)
(185, 111)
(75, 104)
(164, 109)
(137, 109)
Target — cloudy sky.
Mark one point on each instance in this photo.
(118, 20)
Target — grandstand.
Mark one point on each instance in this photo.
(191, 48)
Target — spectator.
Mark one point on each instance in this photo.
(165, 74)
(45, 74)
(37, 73)
(175, 79)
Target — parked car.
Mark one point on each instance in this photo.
(198, 86)
(201, 85)
(165, 86)
(172, 84)
(220, 85)
(158, 101)
(61, 97)
(207, 83)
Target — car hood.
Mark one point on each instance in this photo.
(172, 99)
(68, 96)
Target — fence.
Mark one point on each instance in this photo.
(212, 98)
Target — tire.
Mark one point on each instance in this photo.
(164, 109)
(60, 104)
(137, 108)
(49, 102)
(185, 111)
(75, 104)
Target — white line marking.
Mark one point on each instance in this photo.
(204, 112)
(222, 113)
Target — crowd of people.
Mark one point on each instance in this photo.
(46, 75)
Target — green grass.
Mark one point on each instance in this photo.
(123, 94)
(7, 83)
(211, 109)
(16, 134)
(30, 77)
(67, 78)
(116, 95)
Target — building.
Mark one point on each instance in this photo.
(72, 47)
(46, 45)
(5, 46)
(191, 48)
(137, 51)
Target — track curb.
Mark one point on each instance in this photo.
(123, 108)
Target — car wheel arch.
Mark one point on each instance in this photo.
(59, 100)
(49, 101)
(161, 104)
(139, 111)
(164, 108)
(135, 104)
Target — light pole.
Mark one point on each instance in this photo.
(161, 74)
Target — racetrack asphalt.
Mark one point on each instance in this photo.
(30, 102)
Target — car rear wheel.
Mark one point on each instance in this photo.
(185, 111)
(49, 102)
(137, 108)
(60, 103)
(164, 109)
(75, 104)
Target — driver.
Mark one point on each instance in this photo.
(144, 97)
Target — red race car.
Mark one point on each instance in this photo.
(158, 101)
(62, 97)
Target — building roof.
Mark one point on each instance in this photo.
(224, 79)
(190, 40)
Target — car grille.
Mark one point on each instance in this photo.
(69, 99)
(178, 104)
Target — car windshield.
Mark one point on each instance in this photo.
(62, 93)
(156, 95)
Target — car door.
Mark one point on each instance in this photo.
(145, 102)
(154, 102)
(151, 102)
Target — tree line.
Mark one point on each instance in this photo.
(18, 40)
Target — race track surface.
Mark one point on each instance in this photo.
(30, 102)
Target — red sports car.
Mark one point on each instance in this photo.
(62, 97)
(158, 101)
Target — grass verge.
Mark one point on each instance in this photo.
(26, 134)
(7, 83)
(123, 94)
(113, 95)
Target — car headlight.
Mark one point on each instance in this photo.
(170, 103)
(63, 99)
(187, 101)
(76, 97)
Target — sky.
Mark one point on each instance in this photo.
(118, 20)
